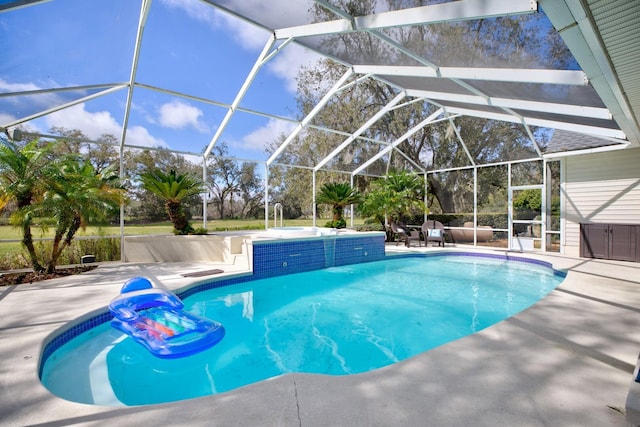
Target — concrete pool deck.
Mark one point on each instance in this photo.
(568, 360)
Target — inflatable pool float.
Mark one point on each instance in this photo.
(155, 318)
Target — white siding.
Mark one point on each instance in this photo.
(603, 187)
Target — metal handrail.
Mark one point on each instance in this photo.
(276, 207)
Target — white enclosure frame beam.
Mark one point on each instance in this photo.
(397, 142)
(362, 128)
(545, 107)
(61, 89)
(514, 75)
(182, 95)
(462, 10)
(262, 59)
(401, 48)
(20, 4)
(266, 196)
(460, 140)
(412, 162)
(314, 205)
(486, 165)
(63, 106)
(533, 139)
(205, 192)
(144, 13)
(564, 154)
(556, 76)
(590, 130)
(339, 85)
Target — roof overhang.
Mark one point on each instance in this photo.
(603, 37)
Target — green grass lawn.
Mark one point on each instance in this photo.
(8, 233)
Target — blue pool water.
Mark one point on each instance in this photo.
(336, 321)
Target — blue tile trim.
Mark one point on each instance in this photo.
(216, 283)
(71, 333)
(507, 257)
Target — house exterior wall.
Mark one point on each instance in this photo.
(601, 187)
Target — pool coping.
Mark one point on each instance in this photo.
(546, 364)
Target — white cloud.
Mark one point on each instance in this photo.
(288, 62)
(259, 138)
(196, 10)
(28, 104)
(5, 86)
(6, 118)
(252, 38)
(94, 125)
(139, 136)
(249, 36)
(295, 12)
(179, 115)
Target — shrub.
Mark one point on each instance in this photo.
(104, 249)
(338, 223)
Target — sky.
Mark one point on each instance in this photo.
(188, 47)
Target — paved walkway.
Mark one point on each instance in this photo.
(566, 361)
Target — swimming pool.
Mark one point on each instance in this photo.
(335, 321)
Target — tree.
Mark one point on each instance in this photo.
(488, 42)
(399, 194)
(231, 181)
(251, 191)
(23, 178)
(224, 178)
(4, 200)
(338, 195)
(102, 153)
(146, 205)
(64, 190)
(173, 189)
(77, 195)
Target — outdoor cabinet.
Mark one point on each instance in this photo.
(610, 241)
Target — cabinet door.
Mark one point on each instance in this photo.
(637, 243)
(595, 240)
(622, 242)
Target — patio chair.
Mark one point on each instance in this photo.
(415, 235)
(401, 231)
(433, 231)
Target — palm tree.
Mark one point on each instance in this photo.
(23, 173)
(338, 195)
(173, 188)
(78, 195)
(397, 194)
(4, 200)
